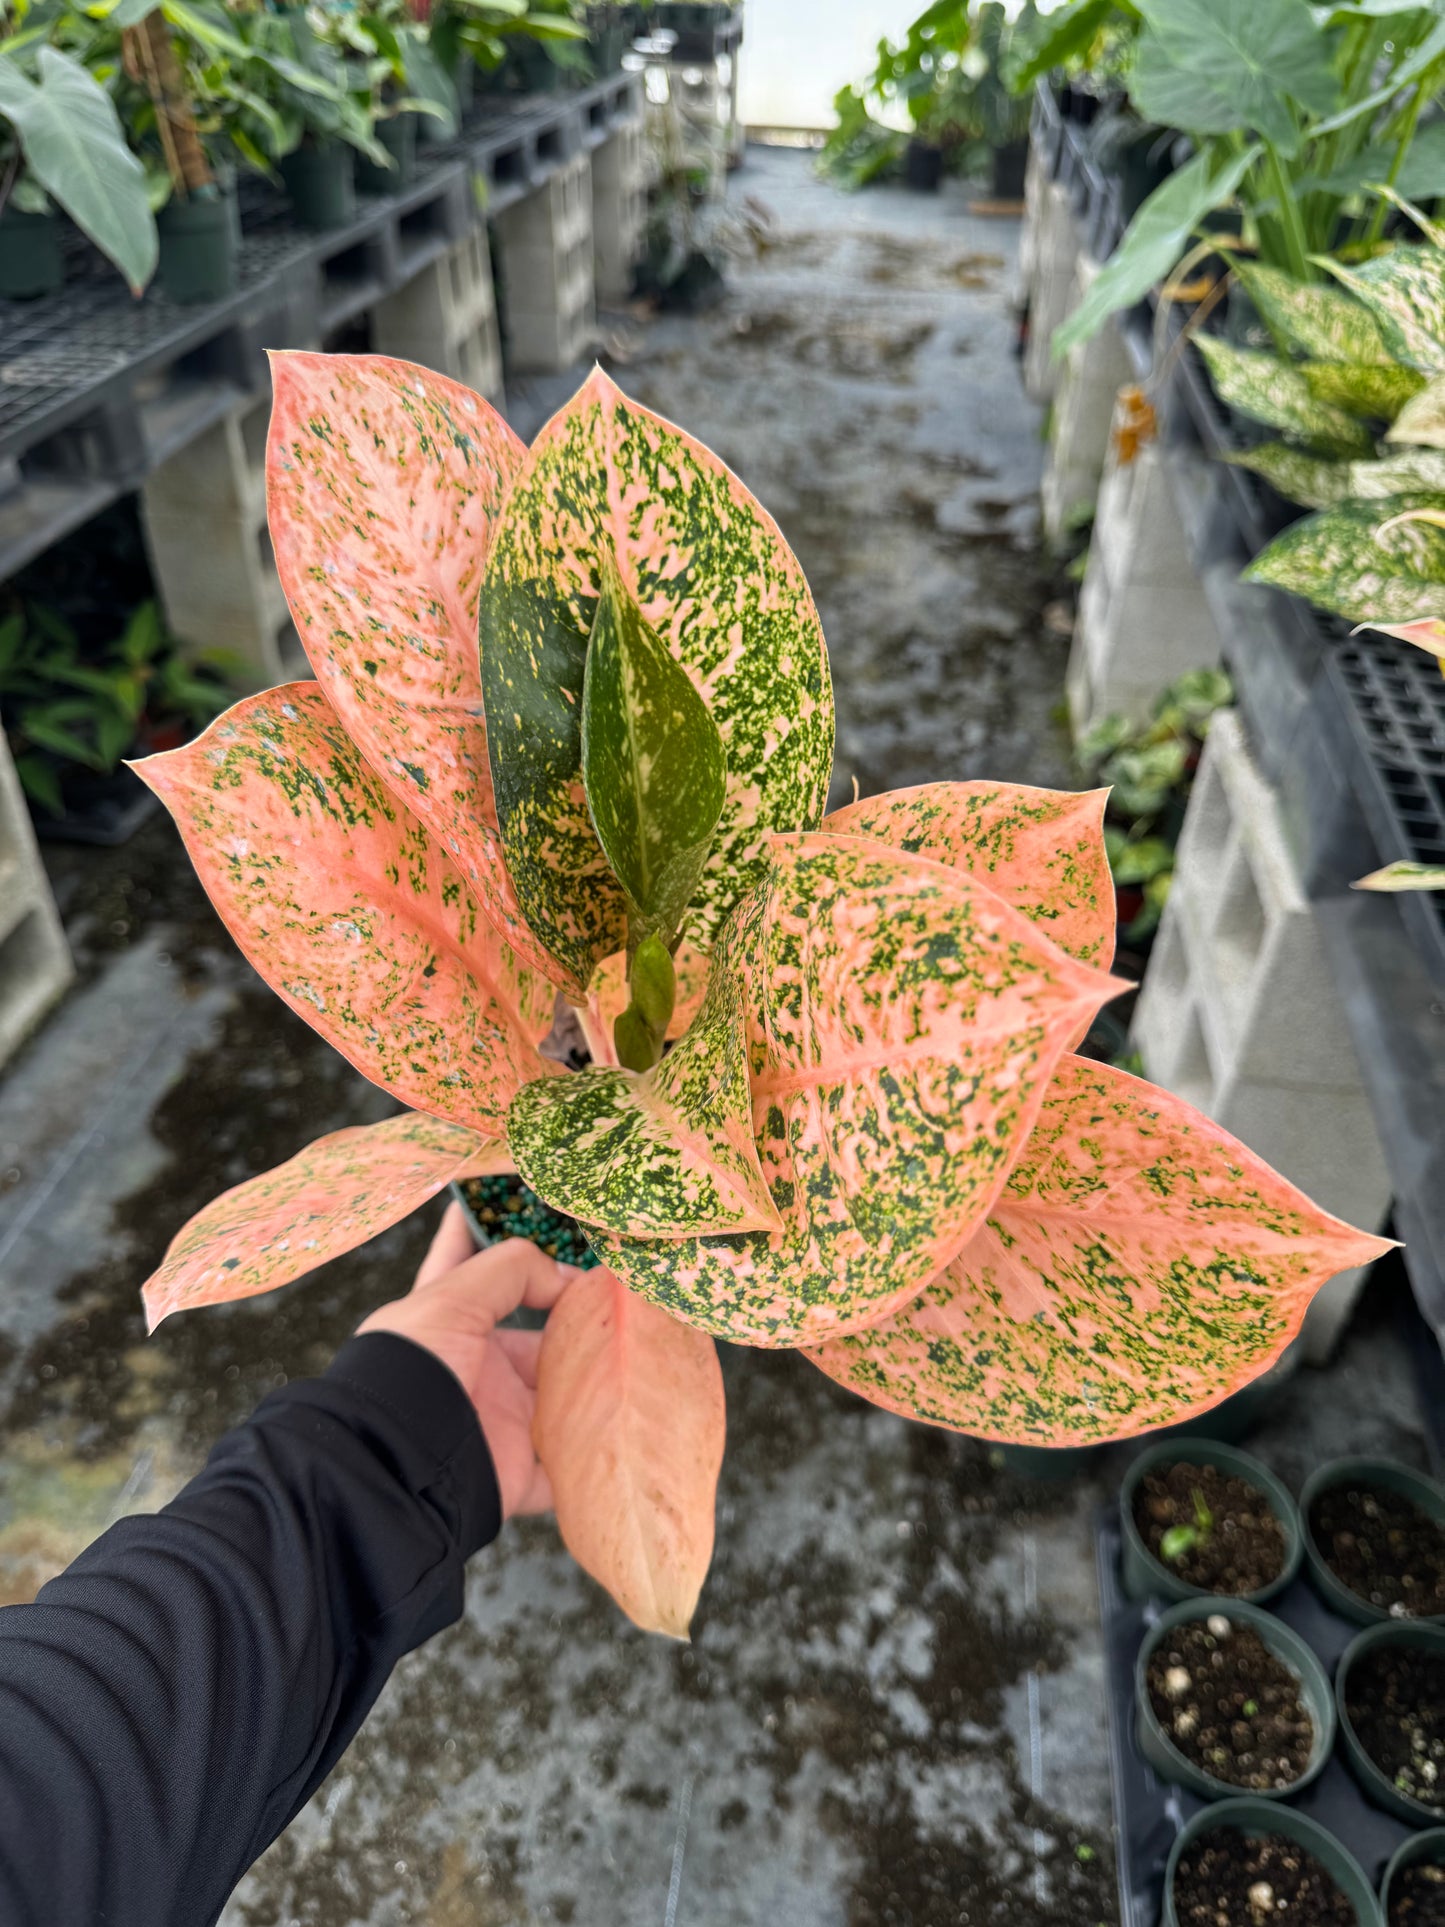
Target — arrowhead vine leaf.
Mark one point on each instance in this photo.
(1140, 1265)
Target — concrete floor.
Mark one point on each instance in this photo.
(892, 1711)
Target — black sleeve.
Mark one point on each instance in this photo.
(172, 1699)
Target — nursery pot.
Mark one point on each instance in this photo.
(1378, 1786)
(1010, 164)
(1394, 1477)
(532, 1223)
(398, 136)
(1286, 1645)
(320, 178)
(30, 260)
(1147, 1577)
(1254, 1817)
(432, 132)
(1420, 1850)
(199, 251)
(923, 166)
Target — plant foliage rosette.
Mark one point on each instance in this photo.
(869, 1138)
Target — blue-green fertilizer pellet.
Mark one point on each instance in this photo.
(504, 1207)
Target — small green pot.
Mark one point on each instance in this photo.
(320, 178)
(1384, 1792)
(398, 136)
(1146, 1577)
(199, 251)
(1160, 1751)
(1394, 1477)
(1253, 1817)
(1421, 1850)
(30, 258)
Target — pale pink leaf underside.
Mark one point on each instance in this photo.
(383, 480)
(350, 911)
(329, 1198)
(630, 1425)
(1140, 1265)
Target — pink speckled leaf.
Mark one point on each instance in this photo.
(715, 582)
(1041, 850)
(612, 996)
(1140, 1265)
(903, 1023)
(329, 1198)
(630, 1426)
(1427, 634)
(348, 908)
(383, 481)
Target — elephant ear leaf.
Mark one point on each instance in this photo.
(349, 909)
(383, 482)
(653, 764)
(329, 1198)
(606, 482)
(1140, 1265)
(902, 1021)
(630, 1426)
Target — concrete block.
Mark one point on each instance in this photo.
(1239, 1014)
(1088, 384)
(619, 209)
(218, 582)
(35, 962)
(1052, 295)
(548, 280)
(446, 318)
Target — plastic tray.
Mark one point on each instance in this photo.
(1150, 1812)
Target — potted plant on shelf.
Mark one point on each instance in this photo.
(831, 1102)
(62, 147)
(396, 78)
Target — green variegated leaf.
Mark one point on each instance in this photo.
(1320, 321)
(668, 1154)
(1403, 471)
(1364, 388)
(902, 1022)
(1405, 291)
(715, 581)
(1340, 561)
(1272, 391)
(1313, 480)
(1140, 1265)
(653, 764)
(1404, 876)
(1422, 419)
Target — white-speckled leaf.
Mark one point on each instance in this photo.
(1140, 1265)
(1340, 561)
(1322, 322)
(1363, 388)
(1405, 291)
(715, 580)
(1273, 391)
(1312, 480)
(903, 1021)
(1422, 419)
(1403, 471)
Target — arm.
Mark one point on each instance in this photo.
(171, 1700)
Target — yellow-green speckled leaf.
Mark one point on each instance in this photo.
(1275, 392)
(1404, 875)
(1140, 1265)
(1340, 560)
(1400, 471)
(902, 1023)
(1323, 323)
(1312, 480)
(669, 1154)
(1405, 292)
(1422, 419)
(1364, 388)
(713, 579)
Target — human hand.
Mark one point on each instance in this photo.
(453, 1310)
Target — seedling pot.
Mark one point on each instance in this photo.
(30, 259)
(199, 246)
(1424, 1850)
(1166, 1759)
(1393, 1477)
(1145, 1576)
(1377, 1785)
(320, 178)
(1253, 1817)
(398, 136)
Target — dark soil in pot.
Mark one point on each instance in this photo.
(1395, 1698)
(1381, 1547)
(1222, 1879)
(1230, 1706)
(1243, 1549)
(504, 1207)
(1417, 1897)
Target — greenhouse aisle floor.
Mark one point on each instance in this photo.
(892, 1710)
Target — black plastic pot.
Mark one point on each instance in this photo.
(30, 259)
(1377, 1787)
(923, 166)
(320, 178)
(1010, 164)
(199, 245)
(1392, 1477)
(398, 136)
(1254, 1817)
(1424, 1850)
(1144, 1575)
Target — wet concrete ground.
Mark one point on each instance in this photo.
(891, 1713)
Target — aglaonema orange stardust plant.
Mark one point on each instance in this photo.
(869, 1138)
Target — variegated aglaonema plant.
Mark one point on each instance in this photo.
(868, 1140)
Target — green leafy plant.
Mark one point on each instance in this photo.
(1179, 1541)
(1089, 36)
(865, 1135)
(487, 30)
